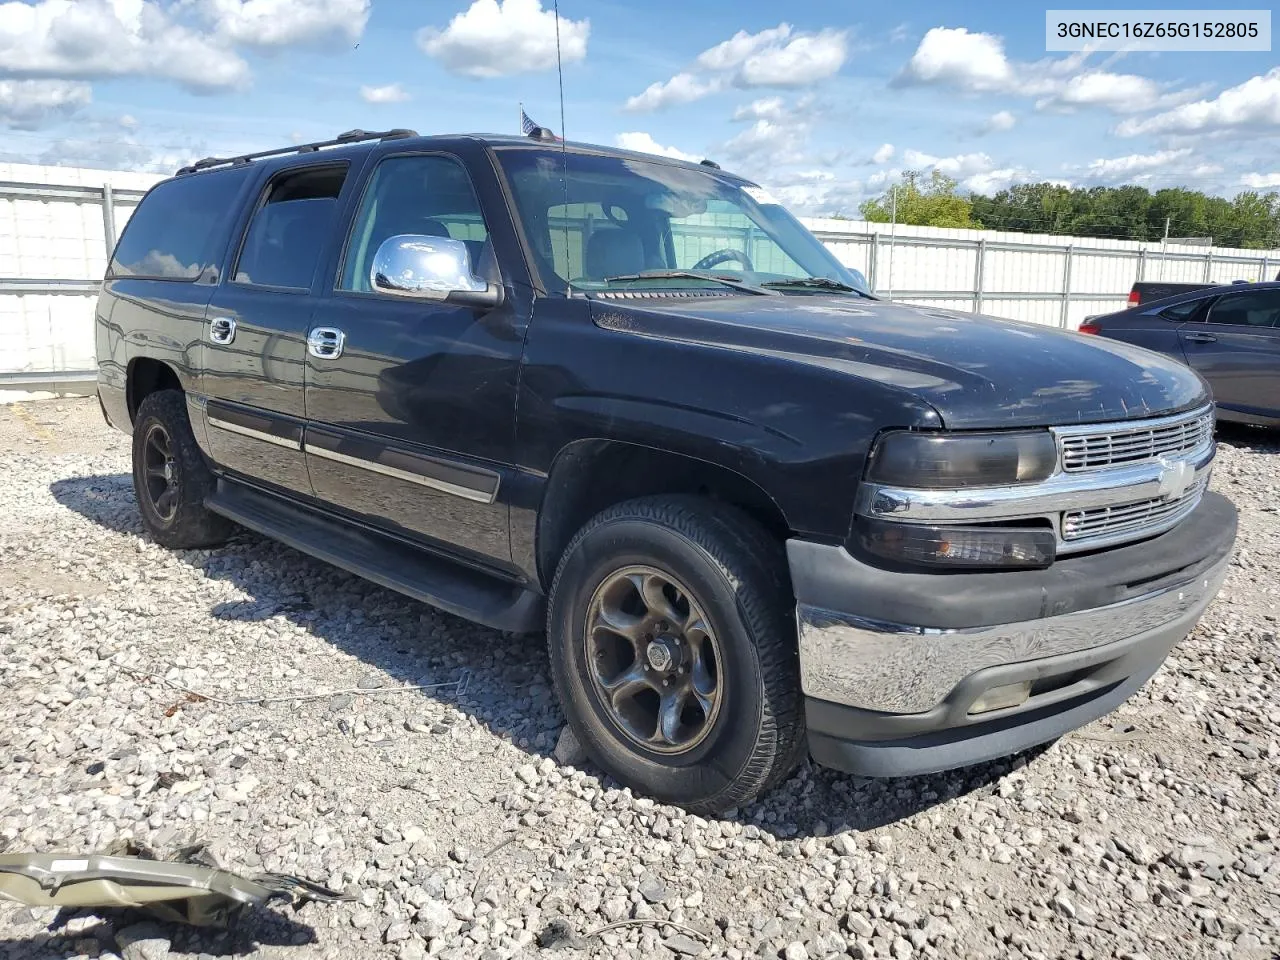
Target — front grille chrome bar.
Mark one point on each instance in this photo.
(1155, 473)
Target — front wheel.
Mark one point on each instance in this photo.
(673, 651)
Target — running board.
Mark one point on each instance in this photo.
(386, 561)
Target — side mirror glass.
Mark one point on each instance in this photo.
(429, 268)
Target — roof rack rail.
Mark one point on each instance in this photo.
(351, 136)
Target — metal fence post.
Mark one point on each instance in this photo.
(978, 270)
(1142, 264)
(1066, 287)
(873, 261)
(1208, 266)
(1263, 276)
(109, 219)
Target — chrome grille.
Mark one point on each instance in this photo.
(1135, 443)
(1154, 514)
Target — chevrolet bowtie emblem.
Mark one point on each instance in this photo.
(1175, 478)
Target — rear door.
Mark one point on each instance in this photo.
(411, 402)
(257, 323)
(1237, 349)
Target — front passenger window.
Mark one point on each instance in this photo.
(425, 196)
(1254, 308)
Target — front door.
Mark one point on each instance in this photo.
(1237, 349)
(256, 328)
(411, 402)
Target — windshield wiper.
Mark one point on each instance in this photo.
(823, 283)
(733, 282)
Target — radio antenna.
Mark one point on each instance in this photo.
(564, 159)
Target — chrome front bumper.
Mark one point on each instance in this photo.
(898, 668)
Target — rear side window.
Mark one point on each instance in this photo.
(290, 228)
(1182, 311)
(174, 233)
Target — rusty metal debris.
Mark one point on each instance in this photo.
(176, 891)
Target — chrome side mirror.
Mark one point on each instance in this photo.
(429, 268)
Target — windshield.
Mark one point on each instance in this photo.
(616, 218)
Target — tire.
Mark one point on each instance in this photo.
(722, 566)
(173, 509)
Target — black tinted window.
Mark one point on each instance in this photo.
(173, 233)
(1256, 308)
(289, 229)
(1182, 311)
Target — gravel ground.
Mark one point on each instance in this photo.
(449, 815)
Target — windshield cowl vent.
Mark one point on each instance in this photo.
(660, 294)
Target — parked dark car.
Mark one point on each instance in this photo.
(1144, 291)
(632, 401)
(1230, 334)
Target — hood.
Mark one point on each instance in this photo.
(976, 371)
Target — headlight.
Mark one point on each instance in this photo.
(949, 545)
(908, 459)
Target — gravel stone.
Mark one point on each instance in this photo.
(143, 941)
(465, 830)
(569, 752)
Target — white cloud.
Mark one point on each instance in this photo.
(1119, 168)
(1260, 181)
(776, 57)
(883, 154)
(31, 104)
(89, 39)
(1252, 104)
(129, 121)
(975, 172)
(972, 61)
(279, 23)
(801, 61)
(1206, 169)
(961, 165)
(391, 93)
(999, 122)
(680, 89)
(1121, 92)
(993, 181)
(643, 142)
(732, 52)
(768, 108)
(498, 38)
(120, 153)
(769, 143)
(976, 63)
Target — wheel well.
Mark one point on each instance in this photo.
(591, 475)
(146, 376)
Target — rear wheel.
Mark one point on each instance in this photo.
(170, 476)
(674, 654)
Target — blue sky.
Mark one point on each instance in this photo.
(824, 102)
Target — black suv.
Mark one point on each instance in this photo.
(758, 510)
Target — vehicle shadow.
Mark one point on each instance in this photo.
(509, 687)
(248, 930)
(1247, 437)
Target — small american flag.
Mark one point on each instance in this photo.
(527, 126)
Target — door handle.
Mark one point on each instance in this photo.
(326, 342)
(222, 330)
(1201, 337)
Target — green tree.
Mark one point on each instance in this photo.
(1133, 213)
(932, 201)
